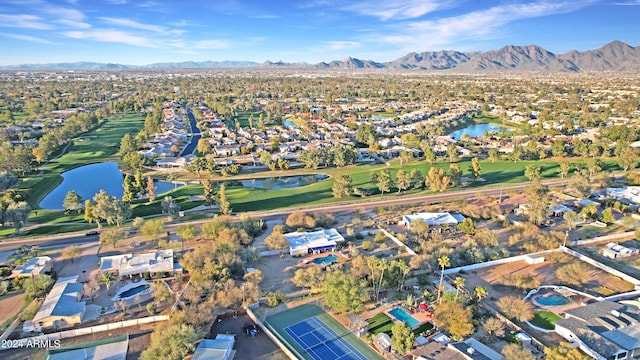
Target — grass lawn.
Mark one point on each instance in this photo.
(380, 323)
(545, 319)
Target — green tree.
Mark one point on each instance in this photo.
(152, 229)
(475, 168)
(480, 293)
(565, 167)
(402, 337)
(538, 202)
(366, 134)
(403, 180)
(416, 179)
(628, 159)
(455, 174)
(452, 152)
(223, 202)
(171, 341)
(454, 318)
(607, 215)
(575, 274)
(186, 231)
(467, 226)
(209, 192)
(437, 179)
(170, 206)
(18, 213)
(204, 146)
(564, 351)
(72, 201)
(494, 155)
(344, 293)
(133, 161)
(151, 189)
(383, 181)
(515, 308)
(429, 154)
(572, 219)
(71, 252)
(458, 282)
(516, 352)
(311, 277)
(532, 172)
(276, 241)
(341, 187)
(88, 213)
(111, 236)
(127, 145)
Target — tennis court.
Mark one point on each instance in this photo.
(312, 334)
(322, 343)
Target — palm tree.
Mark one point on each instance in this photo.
(382, 265)
(106, 278)
(444, 262)
(405, 271)
(480, 293)
(458, 282)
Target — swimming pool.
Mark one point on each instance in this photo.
(325, 259)
(552, 300)
(402, 315)
(133, 291)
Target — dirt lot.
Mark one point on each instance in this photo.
(545, 272)
(10, 305)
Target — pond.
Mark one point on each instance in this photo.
(478, 130)
(88, 180)
(284, 182)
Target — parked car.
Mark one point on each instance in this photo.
(92, 233)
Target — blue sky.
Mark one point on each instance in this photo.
(140, 32)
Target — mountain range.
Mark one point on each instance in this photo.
(614, 56)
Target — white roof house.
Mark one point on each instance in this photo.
(116, 350)
(61, 307)
(34, 266)
(630, 193)
(135, 264)
(433, 219)
(220, 348)
(301, 243)
(615, 251)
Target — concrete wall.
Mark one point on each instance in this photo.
(271, 335)
(613, 237)
(498, 262)
(602, 266)
(94, 329)
(400, 243)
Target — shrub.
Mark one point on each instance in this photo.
(367, 245)
(273, 298)
(151, 308)
(380, 237)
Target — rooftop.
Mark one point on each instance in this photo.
(434, 219)
(133, 264)
(319, 238)
(33, 266)
(220, 348)
(62, 300)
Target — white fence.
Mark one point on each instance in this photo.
(93, 329)
(602, 266)
(497, 262)
(612, 237)
(400, 243)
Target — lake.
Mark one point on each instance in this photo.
(88, 180)
(477, 130)
(284, 182)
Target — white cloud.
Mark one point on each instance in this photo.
(477, 25)
(117, 2)
(341, 45)
(265, 16)
(24, 21)
(108, 35)
(75, 24)
(26, 38)
(629, 3)
(397, 9)
(140, 26)
(65, 13)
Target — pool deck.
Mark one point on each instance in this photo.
(420, 316)
(308, 261)
(574, 301)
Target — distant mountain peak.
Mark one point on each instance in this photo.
(614, 56)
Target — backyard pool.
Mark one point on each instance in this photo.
(552, 300)
(402, 315)
(133, 291)
(329, 259)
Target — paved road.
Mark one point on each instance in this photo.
(80, 238)
(195, 133)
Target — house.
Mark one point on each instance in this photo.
(62, 306)
(473, 349)
(158, 261)
(34, 266)
(604, 330)
(322, 240)
(432, 219)
(629, 193)
(220, 348)
(617, 251)
(111, 349)
(181, 162)
(436, 351)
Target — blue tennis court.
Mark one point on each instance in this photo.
(321, 342)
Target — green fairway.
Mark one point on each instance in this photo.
(545, 319)
(278, 322)
(101, 144)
